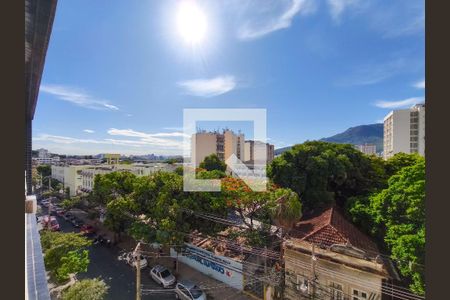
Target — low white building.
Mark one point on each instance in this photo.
(222, 268)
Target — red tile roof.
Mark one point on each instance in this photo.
(329, 227)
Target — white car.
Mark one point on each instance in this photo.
(162, 276)
(131, 259)
(188, 290)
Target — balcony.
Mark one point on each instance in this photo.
(35, 275)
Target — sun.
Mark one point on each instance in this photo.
(191, 22)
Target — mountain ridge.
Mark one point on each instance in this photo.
(356, 135)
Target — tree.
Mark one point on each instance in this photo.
(287, 210)
(86, 289)
(322, 173)
(64, 253)
(44, 170)
(120, 214)
(399, 161)
(112, 185)
(214, 174)
(213, 162)
(396, 215)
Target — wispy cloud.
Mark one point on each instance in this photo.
(140, 141)
(209, 87)
(419, 84)
(265, 25)
(88, 130)
(337, 7)
(77, 97)
(372, 73)
(399, 103)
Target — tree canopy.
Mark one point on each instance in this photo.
(396, 216)
(213, 162)
(323, 173)
(86, 289)
(64, 253)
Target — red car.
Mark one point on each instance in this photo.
(50, 223)
(87, 229)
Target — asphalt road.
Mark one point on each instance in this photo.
(120, 277)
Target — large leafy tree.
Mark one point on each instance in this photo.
(213, 162)
(86, 289)
(112, 185)
(120, 214)
(396, 216)
(64, 253)
(323, 173)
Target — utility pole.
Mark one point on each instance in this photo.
(313, 271)
(137, 253)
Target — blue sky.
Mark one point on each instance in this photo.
(118, 74)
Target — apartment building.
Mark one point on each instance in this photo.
(369, 149)
(70, 176)
(327, 257)
(404, 131)
(223, 144)
(254, 152)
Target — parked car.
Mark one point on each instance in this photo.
(67, 216)
(162, 276)
(60, 212)
(50, 222)
(87, 229)
(188, 290)
(100, 239)
(131, 259)
(77, 222)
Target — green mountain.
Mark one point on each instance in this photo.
(370, 134)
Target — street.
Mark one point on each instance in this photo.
(119, 276)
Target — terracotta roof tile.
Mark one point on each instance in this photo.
(329, 227)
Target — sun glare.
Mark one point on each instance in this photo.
(191, 22)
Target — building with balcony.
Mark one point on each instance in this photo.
(223, 144)
(404, 131)
(254, 152)
(39, 16)
(327, 257)
(369, 149)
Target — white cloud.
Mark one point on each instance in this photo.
(261, 26)
(209, 87)
(337, 7)
(77, 97)
(137, 143)
(400, 103)
(419, 84)
(88, 130)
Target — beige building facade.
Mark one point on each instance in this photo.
(404, 131)
(254, 151)
(70, 176)
(223, 144)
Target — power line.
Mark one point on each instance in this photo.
(362, 283)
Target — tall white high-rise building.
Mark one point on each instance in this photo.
(223, 144)
(404, 131)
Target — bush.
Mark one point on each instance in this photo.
(86, 289)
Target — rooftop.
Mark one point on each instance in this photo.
(328, 228)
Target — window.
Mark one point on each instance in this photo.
(336, 291)
(359, 295)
